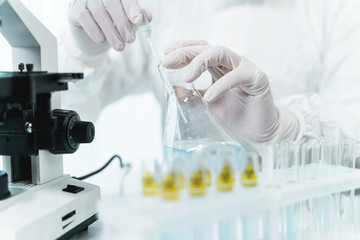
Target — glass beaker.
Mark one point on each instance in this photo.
(190, 123)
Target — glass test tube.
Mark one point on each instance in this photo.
(150, 177)
(225, 179)
(305, 206)
(346, 158)
(305, 218)
(249, 179)
(197, 178)
(335, 197)
(249, 175)
(270, 167)
(311, 209)
(327, 210)
(170, 185)
(290, 158)
(306, 160)
(180, 160)
(225, 170)
(326, 145)
(197, 174)
(346, 152)
(357, 193)
(208, 158)
(315, 175)
(270, 161)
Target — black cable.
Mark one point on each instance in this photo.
(103, 167)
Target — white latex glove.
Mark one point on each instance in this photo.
(94, 24)
(240, 93)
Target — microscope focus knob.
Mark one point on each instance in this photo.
(83, 132)
(4, 185)
(71, 131)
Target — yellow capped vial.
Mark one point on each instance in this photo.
(208, 177)
(170, 188)
(248, 177)
(197, 184)
(150, 187)
(182, 181)
(225, 179)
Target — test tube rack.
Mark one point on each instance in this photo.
(318, 206)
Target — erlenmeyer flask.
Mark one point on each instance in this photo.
(190, 123)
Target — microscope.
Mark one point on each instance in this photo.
(37, 201)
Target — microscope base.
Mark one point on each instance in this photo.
(46, 211)
(79, 228)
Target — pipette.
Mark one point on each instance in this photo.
(145, 30)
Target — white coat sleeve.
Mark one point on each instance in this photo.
(334, 110)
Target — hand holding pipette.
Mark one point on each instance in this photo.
(97, 25)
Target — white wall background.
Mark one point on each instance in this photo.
(130, 127)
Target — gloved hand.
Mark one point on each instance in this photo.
(240, 93)
(94, 24)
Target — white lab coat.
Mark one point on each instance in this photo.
(310, 50)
